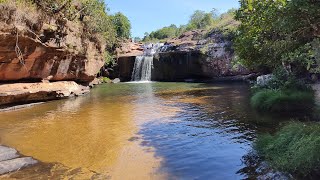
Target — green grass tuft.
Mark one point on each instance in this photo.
(283, 101)
(294, 149)
(105, 80)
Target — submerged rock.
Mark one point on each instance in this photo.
(15, 164)
(11, 161)
(7, 153)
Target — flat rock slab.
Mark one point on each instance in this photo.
(22, 93)
(10, 160)
(7, 153)
(15, 164)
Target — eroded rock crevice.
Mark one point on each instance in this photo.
(36, 47)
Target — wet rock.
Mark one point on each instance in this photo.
(15, 164)
(95, 82)
(7, 153)
(11, 161)
(13, 108)
(116, 80)
(125, 68)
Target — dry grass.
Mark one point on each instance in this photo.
(19, 13)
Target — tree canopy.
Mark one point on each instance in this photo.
(198, 20)
(274, 32)
(122, 25)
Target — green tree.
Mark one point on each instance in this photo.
(271, 30)
(122, 25)
(200, 20)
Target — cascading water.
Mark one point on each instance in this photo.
(143, 65)
(142, 68)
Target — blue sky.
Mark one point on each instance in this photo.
(150, 15)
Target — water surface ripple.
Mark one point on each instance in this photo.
(141, 131)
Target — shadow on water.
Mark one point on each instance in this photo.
(194, 130)
(211, 135)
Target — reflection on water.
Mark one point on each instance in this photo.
(139, 131)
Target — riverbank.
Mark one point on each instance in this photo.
(23, 93)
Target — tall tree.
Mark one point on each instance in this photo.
(122, 25)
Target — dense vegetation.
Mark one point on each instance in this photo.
(294, 149)
(279, 32)
(283, 101)
(283, 37)
(283, 93)
(198, 20)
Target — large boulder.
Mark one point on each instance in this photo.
(19, 93)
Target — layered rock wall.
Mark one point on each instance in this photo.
(189, 57)
(34, 47)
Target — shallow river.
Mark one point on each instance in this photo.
(141, 131)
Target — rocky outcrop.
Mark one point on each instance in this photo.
(177, 66)
(11, 161)
(20, 93)
(34, 46)
(194, 55)
(129, 49)
(125, 68)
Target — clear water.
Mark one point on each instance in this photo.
(141, 131)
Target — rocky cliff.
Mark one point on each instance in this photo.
(194, 55)
(34, 46)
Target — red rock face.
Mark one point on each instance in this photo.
(129, 49)
(40, 61)
(51, 48)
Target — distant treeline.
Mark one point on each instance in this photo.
(198, 20)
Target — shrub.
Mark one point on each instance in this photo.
(294, 149)
(283, 101)
(105, 80)
(284, 80)
(284, 93)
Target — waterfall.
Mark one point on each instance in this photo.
(142, 68)
(143, 64)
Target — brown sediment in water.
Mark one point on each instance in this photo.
(78, 134)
